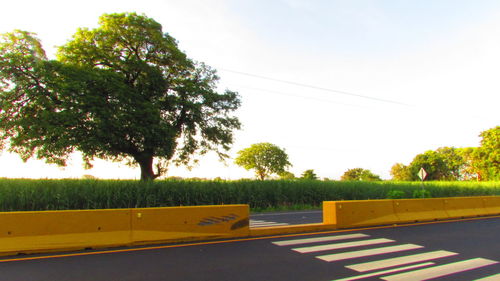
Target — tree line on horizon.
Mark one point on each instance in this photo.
(456, 164)
(443, 164)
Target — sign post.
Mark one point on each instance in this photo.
(422, 174)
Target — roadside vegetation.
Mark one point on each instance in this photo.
(36, 195)
(125, 92)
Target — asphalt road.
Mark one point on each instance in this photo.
(462, 250)
(286, 218)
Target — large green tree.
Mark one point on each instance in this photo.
(265, 158)
(121, 91)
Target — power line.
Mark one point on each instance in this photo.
(314, 87)
(297, 96)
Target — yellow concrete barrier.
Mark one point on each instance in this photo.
(461, 207)
(46, 231)
(491, 205)
(359, 213)
(178, 223)
(32, 232)
(349, 214)
(27, 232)
(414, 210)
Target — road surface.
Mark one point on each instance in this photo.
(285, 218)
(460, 250)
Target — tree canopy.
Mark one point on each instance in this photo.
(121, 91)
(309, 175)
(441, 164)
(449, 163)
(488, 154)
(265, 158)
(359, 174)
(401, 172)
(287, 175)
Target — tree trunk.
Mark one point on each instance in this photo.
(261, 174)
(146, 164)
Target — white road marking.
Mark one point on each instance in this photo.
(422, 259)
(441, 270)
(385, 271)
(369, 252)
(287, 213)
(269, 224)
(319, 239)
(380, 264)
(342, 245)
(261, 223)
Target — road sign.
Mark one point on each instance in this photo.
(422, 174)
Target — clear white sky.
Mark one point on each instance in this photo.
(438, 59)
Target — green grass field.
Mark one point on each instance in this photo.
(29, 195)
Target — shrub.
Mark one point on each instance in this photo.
(421, 193)
(395, 194)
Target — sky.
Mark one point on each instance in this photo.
(338, 84)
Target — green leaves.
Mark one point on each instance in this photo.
(449, 163)
(359, 174)
(37, 195)
(120, 91)
(434, 164)
(265, 158)
(309, 175)
(488, 155)
(401, 172)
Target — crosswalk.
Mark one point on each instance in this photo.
(407, 266)
(263, 223)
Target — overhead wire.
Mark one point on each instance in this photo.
(298, 96)
(314, 87)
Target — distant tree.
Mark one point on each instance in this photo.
(445, 163)
(470, 169)
(449, 163)
(352, 174)
(359, 174)
(454, 162)
(400, 172)
(309, 175)
(121, 91)
(488, 154)
(265, 158)
(286, 175)
(432, 162)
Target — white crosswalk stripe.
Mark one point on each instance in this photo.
(368, 252)
(378, 273)
(419, 266)
(335, 246)
(380, 264)
(319, 239)
(261, 223)
(441, 270)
